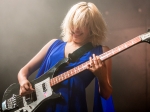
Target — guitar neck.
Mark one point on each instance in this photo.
(120, 48)
(103, 57)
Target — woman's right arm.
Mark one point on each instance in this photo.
(30, 67)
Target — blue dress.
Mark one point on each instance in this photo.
(73, 89)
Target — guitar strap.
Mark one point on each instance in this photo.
(79, 52)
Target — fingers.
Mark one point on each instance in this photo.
(91, 62)
(26, 88)
(95, 62)
(95, 58)
(31, 87)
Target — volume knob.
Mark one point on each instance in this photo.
(25, 110)
(20, 110)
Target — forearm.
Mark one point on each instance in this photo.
(23, 74)
(105, 88)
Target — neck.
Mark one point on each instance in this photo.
(76, 43)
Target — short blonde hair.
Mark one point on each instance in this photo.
(84, 14)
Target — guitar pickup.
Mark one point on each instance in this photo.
(30, 98)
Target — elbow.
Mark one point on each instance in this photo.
(106, 95)
(23, 72)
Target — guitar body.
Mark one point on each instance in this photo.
(13, 102)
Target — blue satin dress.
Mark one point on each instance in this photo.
(73, 89)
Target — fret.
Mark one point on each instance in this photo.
(68, 73)
(109, 53)
(51, 82)
(102, 57)
(138, 39)
(81, 68)
(125, 46)
(65, 75)
(132, 41)
(129, 43)
(71, 73)
(118, 48)
(84, 65)
(78, 69)
(74, 70)
(121, 47)
(112, 52)
(115, 50)
(61, 78)
(56, 79)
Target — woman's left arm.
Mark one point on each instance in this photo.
(102, 70)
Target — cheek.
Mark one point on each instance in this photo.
(87, 32)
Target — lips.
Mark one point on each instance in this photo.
(77, 33)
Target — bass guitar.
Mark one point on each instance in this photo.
(13, 102)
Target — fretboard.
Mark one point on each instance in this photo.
(103, 57)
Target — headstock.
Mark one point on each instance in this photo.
(146, 37)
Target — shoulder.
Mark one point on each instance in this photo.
(52, 41)
(48, 45)
(105, 48)
(52, 44)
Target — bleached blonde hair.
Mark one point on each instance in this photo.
(81, 15)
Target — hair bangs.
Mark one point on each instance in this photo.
(81, 18)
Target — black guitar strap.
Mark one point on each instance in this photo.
(79, 52)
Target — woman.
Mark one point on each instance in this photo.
(82, 24)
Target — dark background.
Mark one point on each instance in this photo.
(27, 25)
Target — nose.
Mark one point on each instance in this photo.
(77, 31)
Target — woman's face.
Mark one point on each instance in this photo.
(81, 36)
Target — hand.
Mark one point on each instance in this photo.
(97, 67)
(25, 87)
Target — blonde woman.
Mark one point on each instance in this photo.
(82, 24)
